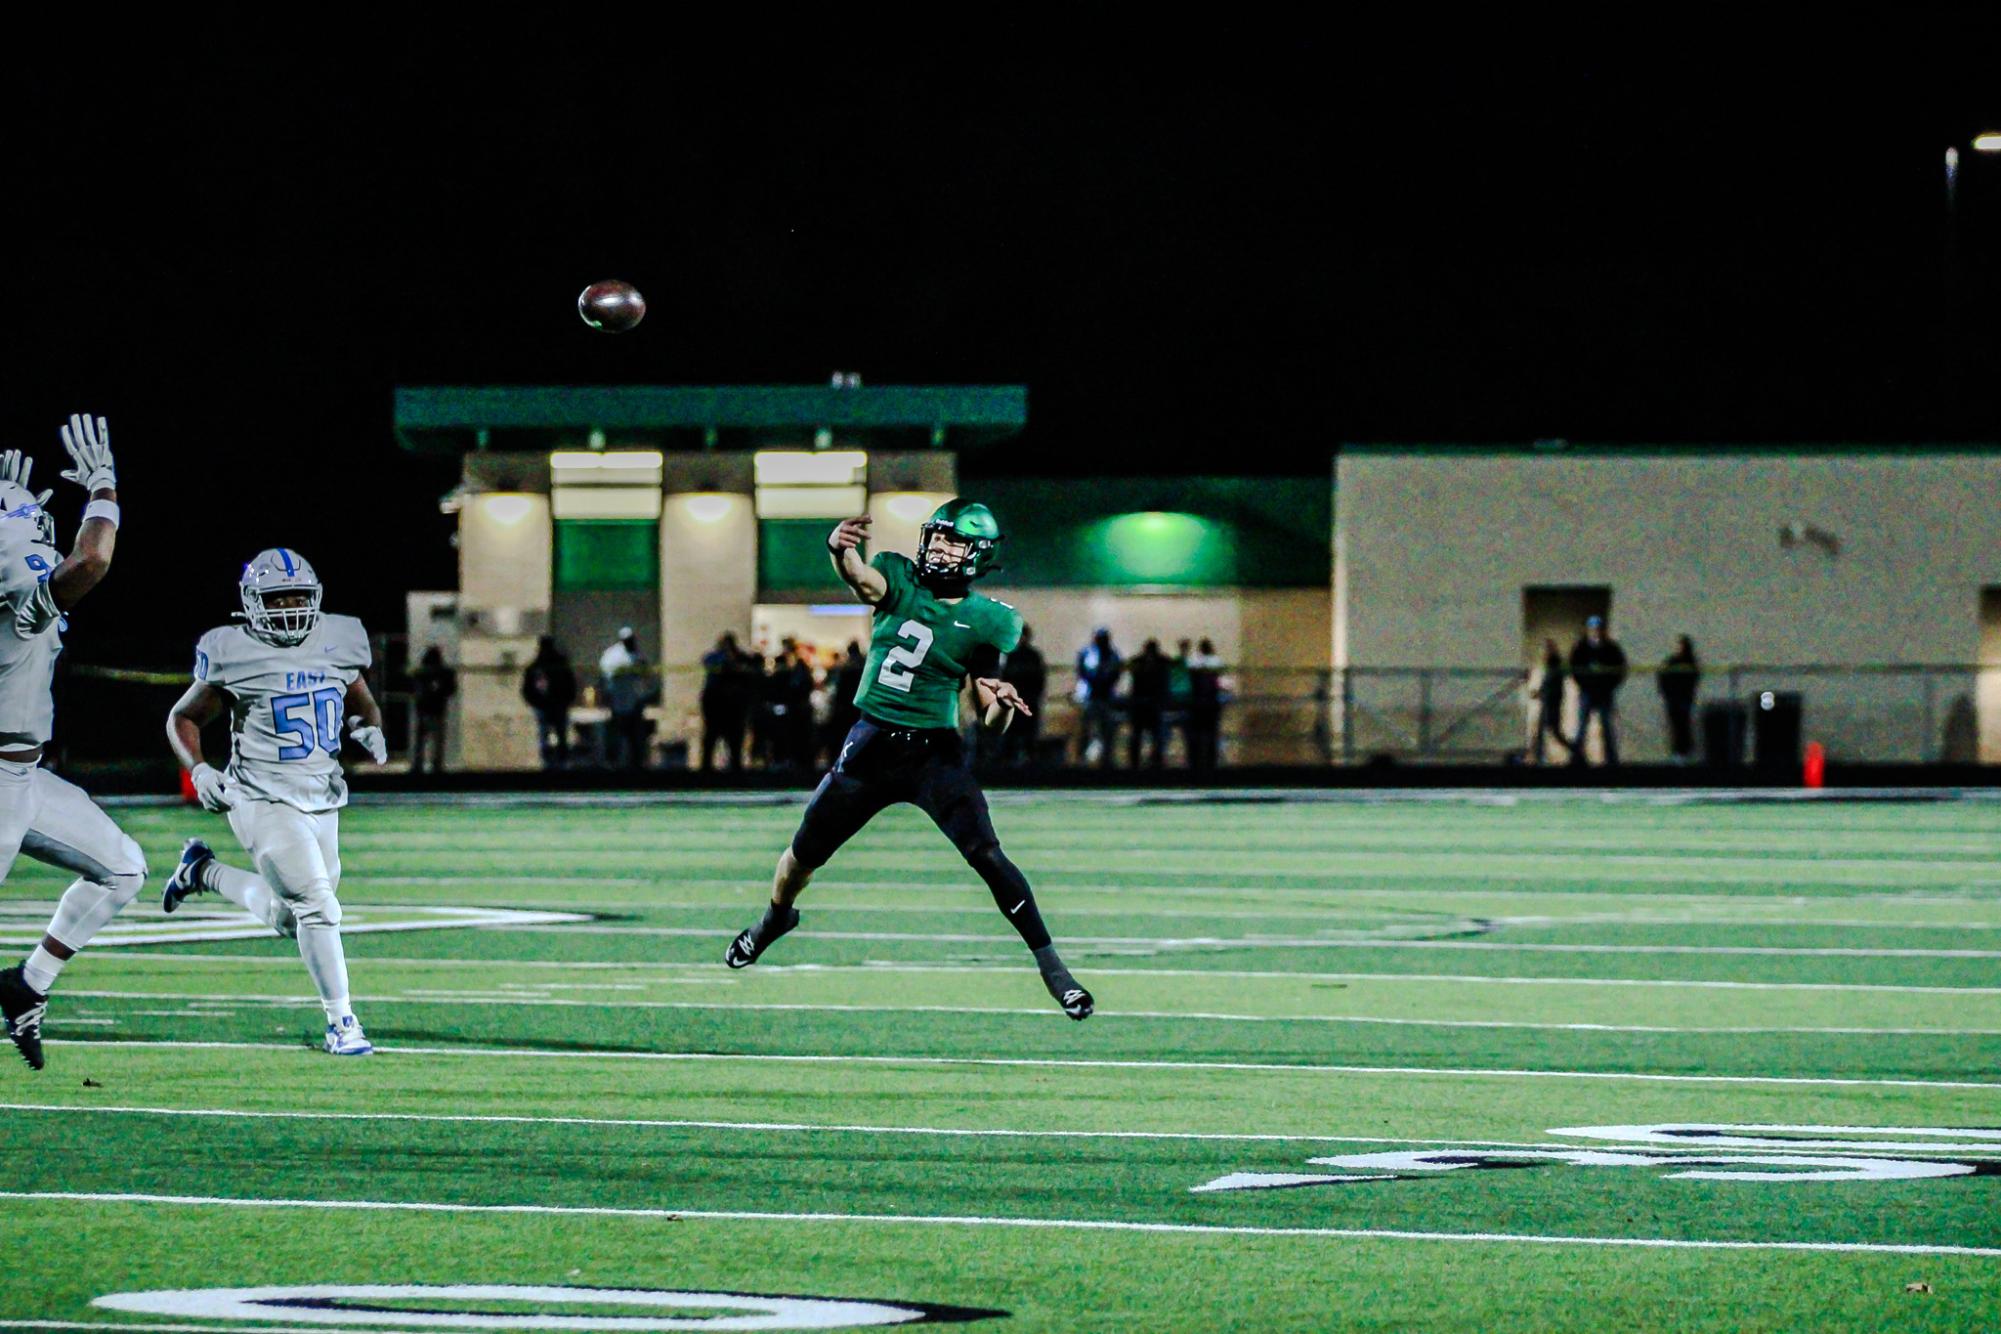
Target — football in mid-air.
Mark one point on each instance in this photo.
(611, 306)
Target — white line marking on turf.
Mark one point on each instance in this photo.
(887, 966)
(1655, 1141)
(978, 1220)
(1050, 1062)
(531, 999)
(1282, 942)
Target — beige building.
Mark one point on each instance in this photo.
(1867, 581)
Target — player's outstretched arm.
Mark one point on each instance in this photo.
(364, 721)
(200, 706)
(999, 702)
(844, 544)
(88, 441)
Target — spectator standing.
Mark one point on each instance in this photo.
(1205, 706)
(1598, 665)
(1099, 667)
(844, 685)
(626, 678)
(1549, 703)
(550, 688)
(795, 708)
(723, 703)
(1678, 679)
(433, 684)
(1028, 673)
(1150, 672)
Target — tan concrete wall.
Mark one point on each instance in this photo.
(504, 595)
(1989, 699)
(708, 581)
(1435, 550)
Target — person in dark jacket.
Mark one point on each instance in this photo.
(433, 684)
(1678, 679)
(842, 715)
(550, 688)
(1151, 674)
(1099, 668)
(1025, 670)
(1549, 704)
(1598, 665)
(1205, 706)
(723, 703)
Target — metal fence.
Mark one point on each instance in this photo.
(1881, 714)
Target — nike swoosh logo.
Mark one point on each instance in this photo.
(1016, 908)
(962, 625)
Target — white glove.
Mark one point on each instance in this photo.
(208, 788)
(90, 447)
(16, 467)
(369, 739)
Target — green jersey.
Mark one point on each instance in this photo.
(920, 648)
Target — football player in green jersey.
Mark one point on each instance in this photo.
(931, 632)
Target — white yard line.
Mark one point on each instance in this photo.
(976, 1220)
(1036, 1011)
(943, 1132)
(1066, 1063)
(886, 966)
(1277, 942)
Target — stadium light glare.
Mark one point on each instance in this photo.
(909, 506)
(709, 507)
(506, 509)
(1989, 142)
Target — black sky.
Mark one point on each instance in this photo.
(1209, 261)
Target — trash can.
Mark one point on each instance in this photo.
(1776, 726)
(1723, 728)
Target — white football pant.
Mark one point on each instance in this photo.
(297, 856)
(53, 821)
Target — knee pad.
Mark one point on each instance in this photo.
(316, 906)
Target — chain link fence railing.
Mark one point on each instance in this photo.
(113, 719)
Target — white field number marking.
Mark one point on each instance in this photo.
(413, 1305)
(899, 666)
(1751, 1153)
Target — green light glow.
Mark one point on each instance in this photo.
(1162, 547)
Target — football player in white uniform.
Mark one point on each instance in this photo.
(291, 680)
(40, 814)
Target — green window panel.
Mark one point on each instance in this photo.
(792, 554)
(596, 555)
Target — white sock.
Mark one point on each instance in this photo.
(250, 893)
(326, 964)
(40, 969)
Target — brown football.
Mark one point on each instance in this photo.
(611, 306)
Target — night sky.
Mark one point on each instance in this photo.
(1232, 262)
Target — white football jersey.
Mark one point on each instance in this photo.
(30, 636)
(287, 709)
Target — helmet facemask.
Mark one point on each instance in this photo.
(17, 502)
(947, 556)
(284, 616)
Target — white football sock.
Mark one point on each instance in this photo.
(326, 964)
(40, 969)
(250, 893)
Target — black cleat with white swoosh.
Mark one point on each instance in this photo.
(23, 1007)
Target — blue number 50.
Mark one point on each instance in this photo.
(318, 728)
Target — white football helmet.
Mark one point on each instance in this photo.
(17, 501)
(270, 573)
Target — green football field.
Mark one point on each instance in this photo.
(1479, 1064)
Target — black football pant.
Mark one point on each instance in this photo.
(880, 765)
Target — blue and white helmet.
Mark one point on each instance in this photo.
(270, 573)
(17, 501)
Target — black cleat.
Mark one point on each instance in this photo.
(1077, 1003)
(23, 1007)
(185, 882)
(753, 941)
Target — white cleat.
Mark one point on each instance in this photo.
(346, 1039)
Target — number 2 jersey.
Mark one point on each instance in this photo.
(30, 636)
(286, 709)
(920, 648)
